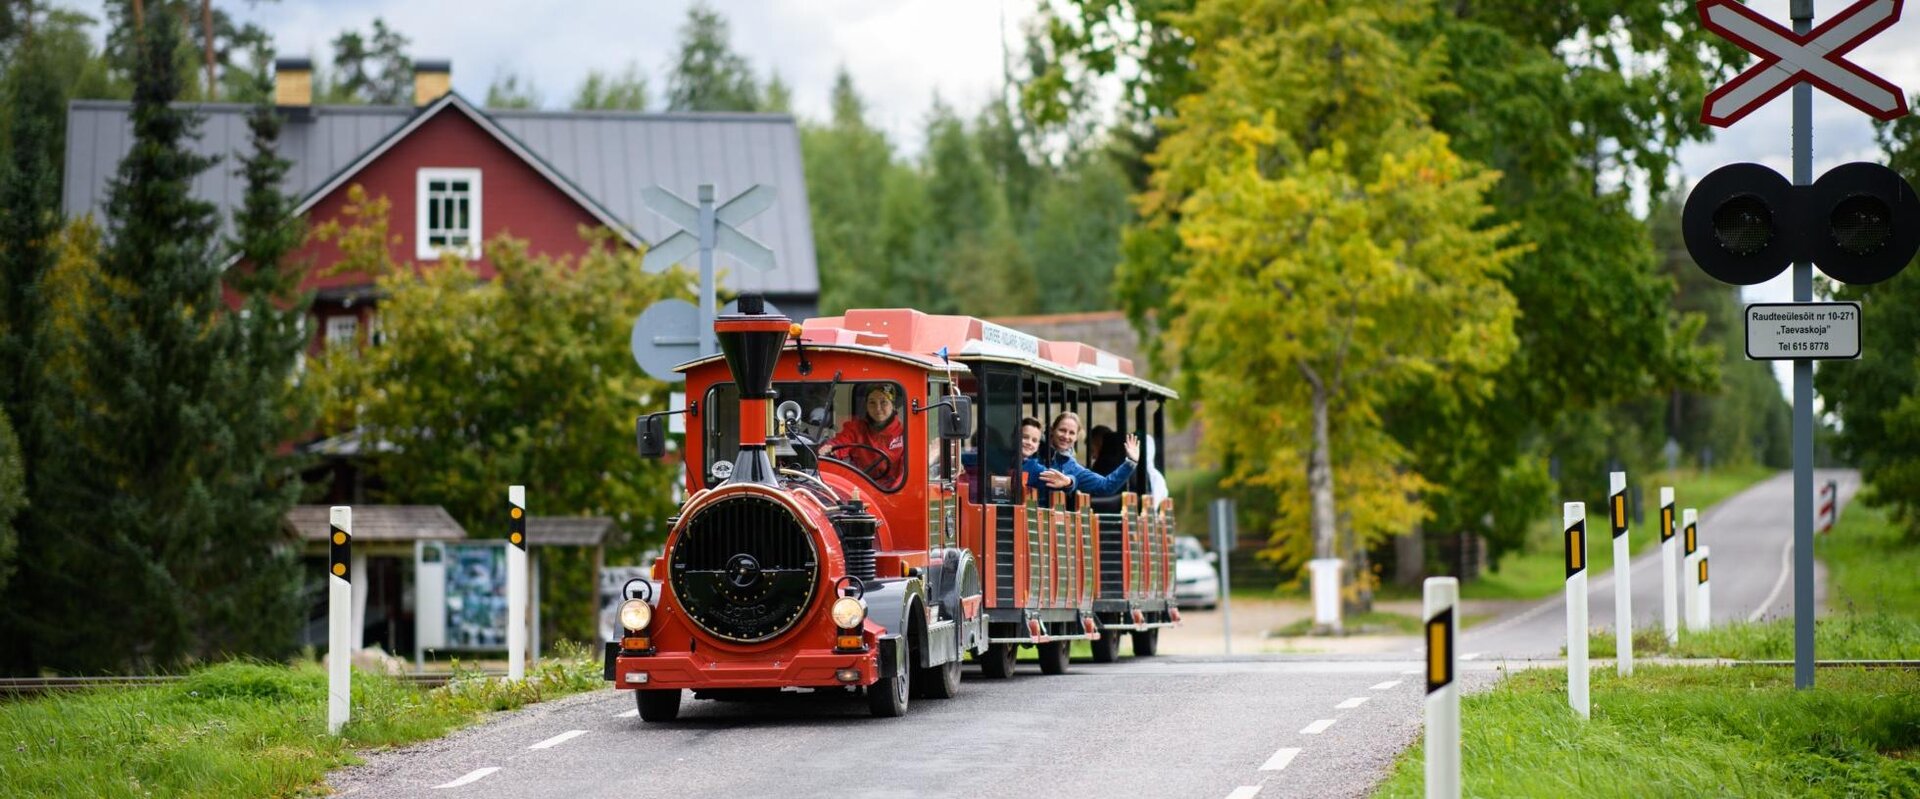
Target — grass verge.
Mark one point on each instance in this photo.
(243, 729)
(1873, 604)
(1688, 731)
(1539, 568)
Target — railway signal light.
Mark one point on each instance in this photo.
(1744, 223)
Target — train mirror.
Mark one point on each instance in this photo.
(956, 418)
(1744, 223)
(650, 433)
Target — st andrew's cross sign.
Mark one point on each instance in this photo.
(1787, 58)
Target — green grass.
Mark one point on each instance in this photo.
(1873, 604)
(1712, 731)
(242, 729)
(1688, 731)
(1539, 568)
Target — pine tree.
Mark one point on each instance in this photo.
(707, 74)
(29, 212)
(154, 483)
(257, 613)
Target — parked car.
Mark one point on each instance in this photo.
(1196, 584)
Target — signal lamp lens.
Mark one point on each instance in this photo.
(1861, 224)
(1743, 225)
(636, 643)
(847, 642)
(848, 612)
(635, 615)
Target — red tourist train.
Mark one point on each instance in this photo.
(807, 557)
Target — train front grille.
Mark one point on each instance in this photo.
(744, 568)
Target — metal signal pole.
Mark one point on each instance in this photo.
(1802, 14)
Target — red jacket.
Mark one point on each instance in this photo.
(889, 438)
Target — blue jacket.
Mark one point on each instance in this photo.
(1031, 467)
(1086, 480)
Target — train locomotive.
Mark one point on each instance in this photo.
(805, 558)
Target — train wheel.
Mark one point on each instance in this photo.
(1106, 648)
(661, 704)
(998, 661)
(887, 696)
(1053, 657)
(938, 682)
(1146, 642)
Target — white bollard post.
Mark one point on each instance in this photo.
(1325, 575)
(517, 583)
(339, 618)
(1443, 692)
(1669, 580)
(1574, 517)
(1622, 575)
(1690, 547)
(1706, 590)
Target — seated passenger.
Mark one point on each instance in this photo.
(1066, 432)
(1038, 476)
(874, 441)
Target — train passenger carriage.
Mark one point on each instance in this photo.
(816, 551)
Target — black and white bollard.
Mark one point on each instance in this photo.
(1706, 590)
(1574, 518)
(339, 617)
(1443, 691)
(1690, 546)
(516, 583)
(1622, 574)
(1669, 567)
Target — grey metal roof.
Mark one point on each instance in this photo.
(380, 523)
(608, 156)
(571, 531)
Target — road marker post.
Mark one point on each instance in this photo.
(516, 583)
(1690, 551)
(1574, 518)
(1826, 507)
(1622, 575)
(1706, 590)
(339, 617)
(1442, 594)
(1669, 582)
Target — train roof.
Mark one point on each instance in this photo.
(914, 337)
(967, 338)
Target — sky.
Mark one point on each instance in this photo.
(901, 53)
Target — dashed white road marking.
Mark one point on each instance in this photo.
(627, 714)
(1351, 703)
(1470, 656)
(558, 739)
(1280, 759)
(1412, 671)
(1385, 685)
(1786, 568)
(1244, 792)
(1318, 727)
(471, 776)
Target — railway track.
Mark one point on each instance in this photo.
(19, 687)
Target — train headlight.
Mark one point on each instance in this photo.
(635, 615)
(848, 612)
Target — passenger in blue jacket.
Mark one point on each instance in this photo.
(1065, 433)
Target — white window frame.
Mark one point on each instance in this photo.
(343, 330)
(422, 199)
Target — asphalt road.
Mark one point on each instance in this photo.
(1750, 537)
(1178, 726)
(1169, 726)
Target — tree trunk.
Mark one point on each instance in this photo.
(1410, 557)
(1320, 477)
(206, 24)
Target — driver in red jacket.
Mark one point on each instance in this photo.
(872, 442)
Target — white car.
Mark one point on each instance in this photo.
(1196, 584)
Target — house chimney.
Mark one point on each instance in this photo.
(431, 80)
(293, 82)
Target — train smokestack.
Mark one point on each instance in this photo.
(751, 340)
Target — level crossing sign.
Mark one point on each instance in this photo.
(1787, 58)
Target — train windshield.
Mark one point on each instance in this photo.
(858, 425)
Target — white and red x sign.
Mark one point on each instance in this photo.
(1787, 58)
